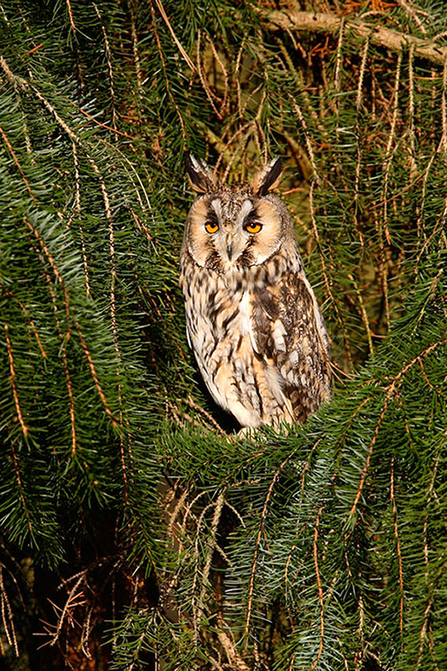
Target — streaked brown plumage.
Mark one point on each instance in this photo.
(252, 318)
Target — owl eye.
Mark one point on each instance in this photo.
(253, 227)
(211, 226)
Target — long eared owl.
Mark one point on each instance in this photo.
(252, 318)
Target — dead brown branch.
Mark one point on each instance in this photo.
(326, 23)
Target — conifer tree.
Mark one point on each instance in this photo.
(137, 529)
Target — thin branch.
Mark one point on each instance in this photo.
(165, 72)
(111, 129)
(112, 262)
(211, 547)
(413, 12)
(9, 293)
(13, 383)
(171, 30)
(16, 161)
(320, 590)
(427, 612)
(94, 375)
(109, 68)
(45, 250)
(64, 339)
(398, 549)
(78, 213)
(136, 55)
(205, 83)
(7, 616)
(326, 274)
(389, 154)
(339, 60)
(70, 400)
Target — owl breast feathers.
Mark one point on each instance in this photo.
(252, 318)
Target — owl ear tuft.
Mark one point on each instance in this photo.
(201, 176)
(268, 177)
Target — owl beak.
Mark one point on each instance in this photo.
(229, 239)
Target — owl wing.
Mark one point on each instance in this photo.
(290, 335)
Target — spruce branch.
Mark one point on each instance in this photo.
(391, 390)
(324, 545)
(257, 550)
(330, 24)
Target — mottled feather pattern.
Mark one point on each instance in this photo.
(253, 321)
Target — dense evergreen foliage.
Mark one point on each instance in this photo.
(137, 529)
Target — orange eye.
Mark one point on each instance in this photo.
(253, 227)
(211, 226)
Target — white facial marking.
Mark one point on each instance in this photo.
(217, 207)
(246, 208)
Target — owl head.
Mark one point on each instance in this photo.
(234, 227)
